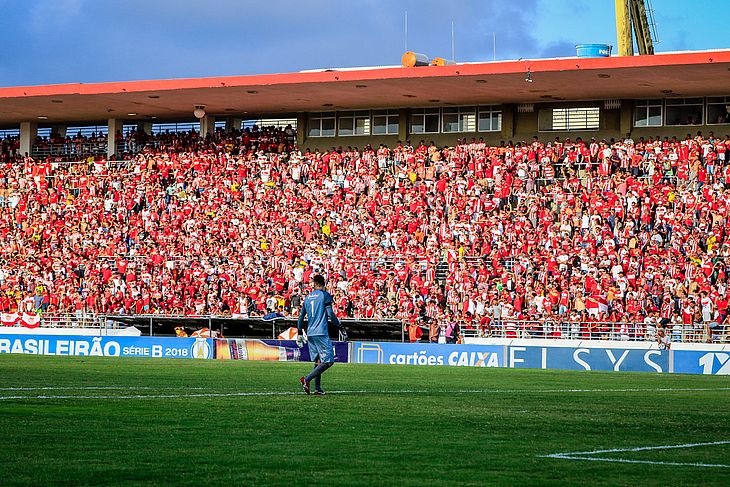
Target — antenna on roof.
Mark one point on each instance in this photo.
(406, 30)
(453, 57)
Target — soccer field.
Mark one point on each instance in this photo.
(81, 421)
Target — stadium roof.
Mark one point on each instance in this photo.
(684, 74)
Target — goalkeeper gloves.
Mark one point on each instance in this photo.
(343, 334)
(300, 341)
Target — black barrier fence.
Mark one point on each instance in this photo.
(155, 325)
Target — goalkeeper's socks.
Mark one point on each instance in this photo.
(317, 381)
(317, 372)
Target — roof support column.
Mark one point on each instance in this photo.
(301, 129)
(626, 123)
(115, 126)
(404, 115)
(28, 134)
(207, 125)
(508, 121)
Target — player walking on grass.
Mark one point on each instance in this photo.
(317, 307)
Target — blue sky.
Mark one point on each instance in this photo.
(60, 41)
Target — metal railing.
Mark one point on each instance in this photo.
(70, 320)
(592, 330)
(523, 329)
(79, 149)
(390, 261)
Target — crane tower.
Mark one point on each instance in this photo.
(633, 14)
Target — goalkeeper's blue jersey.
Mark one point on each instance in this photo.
(317, 307)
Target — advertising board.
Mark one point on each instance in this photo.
(584, 358)
(273, 350)
(701, 362)
(121, 346)
(428, 354)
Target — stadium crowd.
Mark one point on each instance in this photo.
(570, 237)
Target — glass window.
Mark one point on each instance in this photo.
(345, 123)
(569, 119)
(328, 127)
(648, 113)
(684, 111)
(718, 110)
(280, 123)
(490, 119)
(353, 123)
(362, 125)
(87, 131)
(385, 122)
(162, 128)
(461, 119)
(450, 121)
(321, 124)
(425, 121)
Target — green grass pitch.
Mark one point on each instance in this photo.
(110, 421)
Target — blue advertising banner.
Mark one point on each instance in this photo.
(113, 346)
(569, 358)
(428, 354)
(701, 362)
(563, 358)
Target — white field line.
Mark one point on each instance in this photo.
(294, 393)
(582, 455)
(624, 460)
(646, 448)
(102, 388)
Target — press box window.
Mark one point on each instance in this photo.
(353, 123)
(321, 125)
(648, 113)
(718, 110)
(684, 111)
(385, 122)
(461, 119)
(490, 119)
(569, 119)
(425, 121)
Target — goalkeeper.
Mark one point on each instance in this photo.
(317, 307)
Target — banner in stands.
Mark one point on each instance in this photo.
(154, 347)
(28, 320)
(275, 350)
(701, 362)
(428, 354)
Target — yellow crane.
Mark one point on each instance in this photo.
(633, 13)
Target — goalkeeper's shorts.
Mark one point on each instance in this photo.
(320, 346)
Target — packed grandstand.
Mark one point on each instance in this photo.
(561, 238)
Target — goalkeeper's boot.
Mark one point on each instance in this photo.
(305, 385)
(319, 392)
